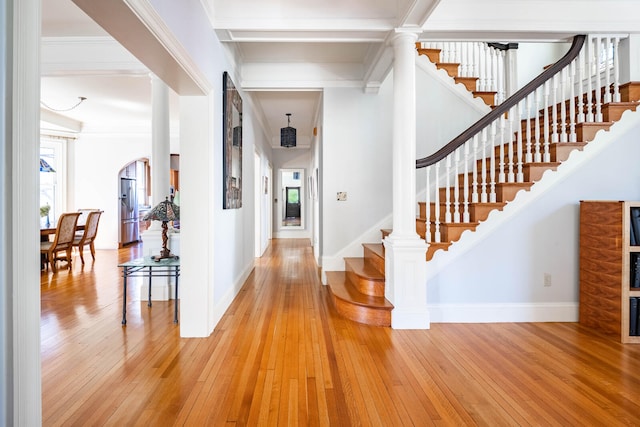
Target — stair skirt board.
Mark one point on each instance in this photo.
(501, 313)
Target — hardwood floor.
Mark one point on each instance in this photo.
(282, 356)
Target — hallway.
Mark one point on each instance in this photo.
(282, 356)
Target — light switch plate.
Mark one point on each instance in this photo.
(342, 196)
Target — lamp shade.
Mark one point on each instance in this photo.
(288, 134)
(163, 211)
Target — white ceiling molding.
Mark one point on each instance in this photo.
(87, 55)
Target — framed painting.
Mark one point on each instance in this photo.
(232, 143)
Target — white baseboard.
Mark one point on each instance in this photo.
(221, 306)
(335, 262)
(497, 313)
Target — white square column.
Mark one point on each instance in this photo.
(405, 252)
(406, 282)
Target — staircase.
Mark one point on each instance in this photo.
(453, 70)
(485, 184)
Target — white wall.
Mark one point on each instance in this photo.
(356, 159)
(533, 57)
(96, 161)
(502, 277)
(441, 114)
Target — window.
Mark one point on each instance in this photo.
(53, 181)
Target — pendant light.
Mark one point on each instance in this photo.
(288, 134)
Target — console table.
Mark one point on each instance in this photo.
(148, 267)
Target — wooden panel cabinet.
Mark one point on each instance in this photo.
(605, 267)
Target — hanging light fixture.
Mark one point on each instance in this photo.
(288, 134)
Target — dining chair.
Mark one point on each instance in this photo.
(84, 216)
(62, 241)
(89, 235)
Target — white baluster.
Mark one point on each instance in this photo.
(487, 67)
(474, 181)
(501, 78)
(427, 214)
(520, 175)
(598, 89)
(465, 182)
(616, 70)
(563, 107)
(572, 103)
(436, 219)
(483, 172)
(607, 71)
(447, 194)
(547, 128)
(492, 170)
(466, 72)
(447, 53)
(589, 76)
(493, 69)
(580, 118)
(475, 69)
(456, 188)
(482, 81)
(511, 175)
(527, 134)
(536, 128)
(501, 175)
(554, 112)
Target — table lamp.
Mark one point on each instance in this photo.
(164, 211)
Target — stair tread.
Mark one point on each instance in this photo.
(364, 269)
(342, 288)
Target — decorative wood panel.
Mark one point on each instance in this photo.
(604, 267)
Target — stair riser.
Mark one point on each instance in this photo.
(360, 314)
(374, 259)
(366, 286)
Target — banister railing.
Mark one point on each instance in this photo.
(520, 131)
(578, 42)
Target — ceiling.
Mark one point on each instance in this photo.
(286, 51)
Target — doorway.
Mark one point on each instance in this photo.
(292, 206)
(292, 209)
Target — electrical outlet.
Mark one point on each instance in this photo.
(547, 279)
(342, 196)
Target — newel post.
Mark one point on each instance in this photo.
(405, 252)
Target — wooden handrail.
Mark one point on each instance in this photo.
(576, 46)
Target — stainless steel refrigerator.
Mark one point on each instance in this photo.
(128, 211)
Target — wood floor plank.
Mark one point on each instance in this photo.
(281, 355)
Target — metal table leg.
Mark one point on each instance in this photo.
(124, 298)
(149, 301)
(175, 301)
